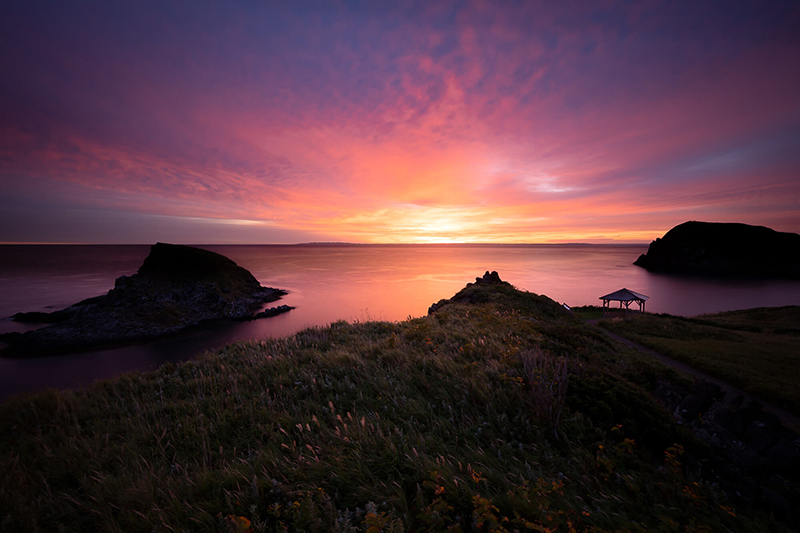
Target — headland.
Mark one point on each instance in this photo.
(724, 249)
(176, 288)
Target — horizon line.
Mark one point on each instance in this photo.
(336, 243)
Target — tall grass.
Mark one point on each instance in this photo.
(757, 350)
(548, 379)
(446, 422)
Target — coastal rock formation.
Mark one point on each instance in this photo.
(490, 289)
(755, 458)
(467, 297)
(490, 278)
(175, 288)
(724, 249)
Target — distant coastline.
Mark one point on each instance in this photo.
(340, 243)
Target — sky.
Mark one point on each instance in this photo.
(380, 122)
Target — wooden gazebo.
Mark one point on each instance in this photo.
(624, 297)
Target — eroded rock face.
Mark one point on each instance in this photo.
(176, 287)
(724, 249)
(756, 458)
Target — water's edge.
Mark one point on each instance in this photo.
(340, 282)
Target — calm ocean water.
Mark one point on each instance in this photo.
(341, 282)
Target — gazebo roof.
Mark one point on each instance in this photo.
(624, 295)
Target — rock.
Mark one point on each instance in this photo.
(770, 422)
(754, 457)
(273, 311)
(697, 401)
(724, 249)
(725, 417)
(37, 317)
(11, 337)
(176, 287)
(750, 409)
(725, 443)
(468, 296)
(758, 437)
(774, 502)
(172, 262)
(489, 278)
(733, 398)
(490, 289)
(436, 306)
(669, 394)
(784, 455)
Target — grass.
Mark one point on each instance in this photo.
(588, 312)
(757, 350)
(509, 414)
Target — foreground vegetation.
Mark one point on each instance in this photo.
(757, 350)
(504, 414)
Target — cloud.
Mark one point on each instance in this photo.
(467, 121)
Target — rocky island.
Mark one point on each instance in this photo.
(176, 287)
(726, 249)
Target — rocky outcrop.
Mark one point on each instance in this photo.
(465, 296)
(176, 287)
(272, 311)
(490, 289)
(755, 458)
(709, 248)
(489, 278)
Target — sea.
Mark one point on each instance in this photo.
(331, 282)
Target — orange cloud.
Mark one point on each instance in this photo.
(451, 124)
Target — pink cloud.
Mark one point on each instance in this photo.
(495, 124)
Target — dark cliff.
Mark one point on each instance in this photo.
(175, 288)
(724, 249)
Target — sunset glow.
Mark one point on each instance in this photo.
(427, 123)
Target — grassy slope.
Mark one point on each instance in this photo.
(588, 312)
(757, 350)
(457, 420)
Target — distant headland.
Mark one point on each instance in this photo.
(726, 249)
(176, 287)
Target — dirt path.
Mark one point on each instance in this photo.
(789, 420)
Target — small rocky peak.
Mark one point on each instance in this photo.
(489, 278)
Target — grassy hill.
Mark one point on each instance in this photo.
(501, 413)
(757, 350)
